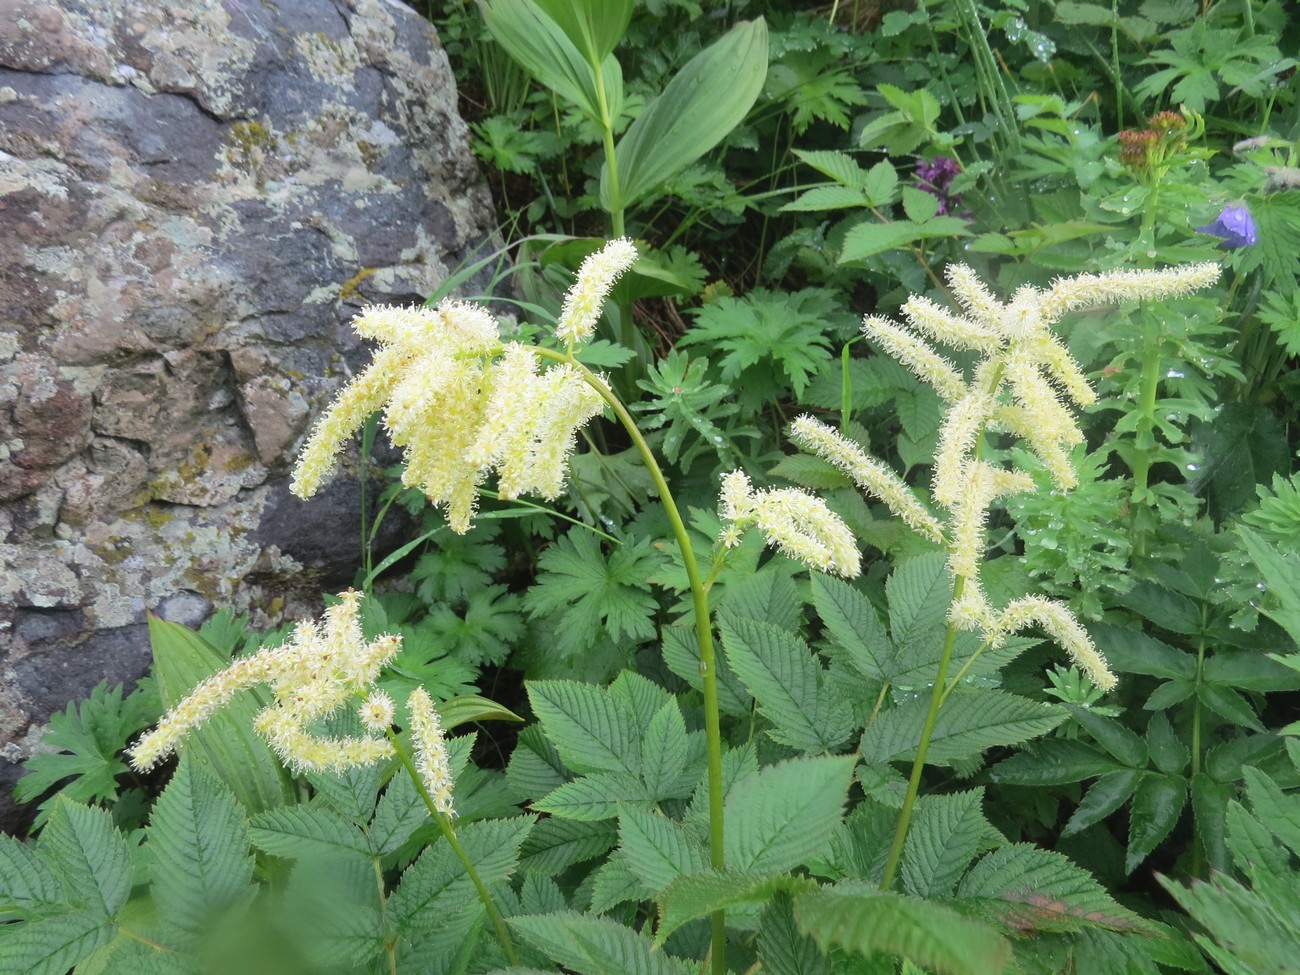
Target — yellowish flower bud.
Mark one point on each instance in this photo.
(596, 276)
(430, 750)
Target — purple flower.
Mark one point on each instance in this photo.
(935, 177)
(1235, 225)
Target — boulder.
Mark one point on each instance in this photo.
(195, 199)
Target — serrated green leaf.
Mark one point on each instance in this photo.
(1210, 809)
(1158, 803)
(594, 945)
(592, 594)
(590, 729)
(198, 838)
(1053, 761)
(785, 814)
(612, 883)
(89, 855)
(946, 834)
(303, 831)
(400, 812)
(1277, 810)
(437, 884)
(839, 166)
(656, 849)
(535, 766)
(782, 948)
(705, 100)
(52, 945)
(595, 796)
(862, 919)
(918, 592)
(27, 884)
(826, 198)
(852, 621)
(1251, 844)
(1103, 797)
(971, 721)
(1123, 744)
(700, 894)
(664, 750)
(351, 792)
(869, 238)
(554, 845)
(785, 678)
(226, 745)
(1040, 890)
(1132, 652)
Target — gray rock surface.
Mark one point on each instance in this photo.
(195, 198)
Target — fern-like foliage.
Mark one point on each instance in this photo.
(82, 749)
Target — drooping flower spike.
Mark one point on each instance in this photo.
(462, 404)
(1025, 383)
(798, 524)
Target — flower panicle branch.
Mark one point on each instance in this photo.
(1024, 383)
(322, 668)
(463, 404)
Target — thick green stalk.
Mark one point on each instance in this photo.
(449, 834)
(703, 631)
(927, 731)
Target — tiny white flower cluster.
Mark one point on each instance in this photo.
(1017, 385)
(320, 670)
(461, 404)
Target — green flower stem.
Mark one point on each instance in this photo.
(927, 730)
(703, 631)
(449, 834)
(611, 156)
(390, 948)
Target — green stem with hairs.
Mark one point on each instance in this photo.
(703, 631)
(449, 834)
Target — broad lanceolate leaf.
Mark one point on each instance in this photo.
(1039, 890)
(703, 102)
(785, 814)
(533, 38)
(226, 745)
(592, 731)
(947, 833)
(594, 945)
(865, 920)
(594, 26)
(785, 678)
(712, 890)
(970, 721)
(656, 849)
(200, 854)
(89, 855)
(852, 621)
(1103, 797)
